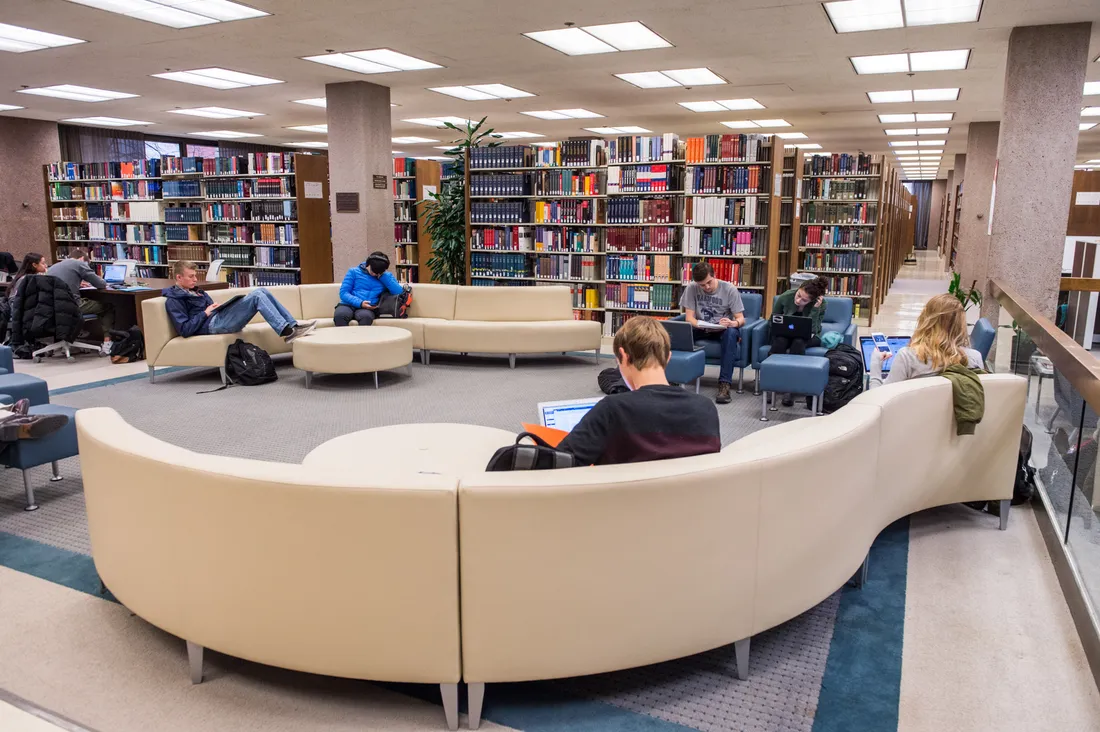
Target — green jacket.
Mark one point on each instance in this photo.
(784, 305)
(968, 396)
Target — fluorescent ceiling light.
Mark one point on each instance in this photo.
(217, 78)
(735, 104)
(444, 147)
(376, 61)
(440, 121)
(720, 105)
(791, 135)
(912, 158)
(432, 157)
(1081, 127)
(904, 143)
(630, 36)
(895, 118)
(850, 16)
(9, 107)
(935, 95)
(216, 112)
(884, 64)
(628, 130)
(1082, 167)
(939, 60)
(397, 152)
(308, 143)
(106, 121)
(1091, 87)
(563, 114)
(518, 135)
(546, 144)
(903, 131)
(223, 134)
(937, 143)
(322, 129)
(672, 77)
(940, 12)
(772, 123)
(77, 93)
(935, 116)
(703, 106)
(1093, 161)
(740, 124)
(315, 102)
(177, 13)
(890, 97)
(1090, 112)
(805, 146)
(410, 140)
(481, 92)
(933, 130)
(20, 40)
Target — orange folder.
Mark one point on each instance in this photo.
(552, 436)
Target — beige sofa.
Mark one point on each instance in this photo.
(660, 560)
(493, 320)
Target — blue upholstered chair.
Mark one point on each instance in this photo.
(27, 454)
(19, 386)
(754, 303)
(982, 337)
(838, 318)
(7, 366)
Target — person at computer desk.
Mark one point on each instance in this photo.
(939, 341)
(708, 300)
(652, 421)
(33, 264)
(807, 301)
(75, 270)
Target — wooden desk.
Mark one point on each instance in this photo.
(128, 304)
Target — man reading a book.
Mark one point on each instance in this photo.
(652, 421)
(193, 312)
(715, 311)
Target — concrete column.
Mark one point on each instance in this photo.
(25, 146)
(981, 159)
(358, 150)
(1044, 77)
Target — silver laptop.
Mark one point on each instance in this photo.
(565, 414)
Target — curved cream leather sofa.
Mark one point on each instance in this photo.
(494, 320)
(563, 573)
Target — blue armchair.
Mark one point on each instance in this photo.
(982, 337)
(7, 366)
(754, 303)
(838, 318)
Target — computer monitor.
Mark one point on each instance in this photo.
(115, 274)
(867, 345)
(564, 415)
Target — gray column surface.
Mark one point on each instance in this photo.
(1044, 78)
(981, 159)
(359, 145)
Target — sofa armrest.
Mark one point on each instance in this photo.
(6, 360)
(760, 336)
(679, 317)
(851, 334)
(158, 328)
(6, 400)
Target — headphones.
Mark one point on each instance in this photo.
(378, 262)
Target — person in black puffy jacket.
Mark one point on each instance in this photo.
(45, 308)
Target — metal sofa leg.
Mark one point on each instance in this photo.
(698, 383)
(423, 357)
(152, 375)
(756, 382)
(596, 355)
(741, 380)
(764, 408)
(428, 357)
(56, 472)
(225, 376)
(861, 576)
(449, 692)
(194, 660)
(1006, 504)
(31, 505)
(309, 379)
(815, 402)
(741, 658)
(475, 698)
(375, 379)
(511, 360)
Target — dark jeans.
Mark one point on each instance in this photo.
(793, 346)
(104, 312)
(344, 314)
(731, 349)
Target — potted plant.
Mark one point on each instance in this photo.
(967, 297)
(444, 212)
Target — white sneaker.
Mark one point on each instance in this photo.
(105, 349)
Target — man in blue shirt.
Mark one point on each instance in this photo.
(363, 287)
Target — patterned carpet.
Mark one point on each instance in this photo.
(284, 421)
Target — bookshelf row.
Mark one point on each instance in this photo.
(622, 221)
(265, 215)
(412, 181)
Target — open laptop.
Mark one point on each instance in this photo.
(867, 346)
(680, 335)
(564, 415)
(115, 274)
(792, 326)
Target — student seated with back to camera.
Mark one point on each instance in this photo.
(939, 342)
(193, 312)
(708, 299)
(362, 289)
(652, 421)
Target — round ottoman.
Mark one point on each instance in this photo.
(352, 351)
(447, 449)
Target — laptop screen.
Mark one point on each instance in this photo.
(867, 345)
(565, 415)
(115, 273)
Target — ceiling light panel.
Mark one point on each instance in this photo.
(791, 135)
(939, 60)
(1090, 112)
(177, 13)
(740, 124)
(935, 116)
(805, 146)
(518, 135)
(77, 93)
(217, 78)
(649, 80)
(9, 107)
(941, 12)
(720, 105)
(482, 92)
(935, 143)
(106, 121)
(1091, 87)
(313, 143)
(322, 129)
(888, 119)
(376, 61)
(439, 121)
(556, 114)
(1082, 127)
(771, 123)
(890, 63)
(315, 102)
(672, 77)
(933, 130)
(903, 143)
(935, 95)
(216, 112)
(410, 140)
(609, 38)
(627, 130)
(223, 134)
(852, 16)
(890, 97)
(703, 106)
(902, 131)
(17, 39)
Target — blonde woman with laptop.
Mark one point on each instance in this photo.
(940, 341)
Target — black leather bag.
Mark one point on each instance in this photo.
(539, 456)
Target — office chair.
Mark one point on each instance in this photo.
(67, 346)
(214, 270)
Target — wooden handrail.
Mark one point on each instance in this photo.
(1070, 359)
(1080, 284)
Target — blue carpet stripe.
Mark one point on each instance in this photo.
(114, 380)
(60, 566)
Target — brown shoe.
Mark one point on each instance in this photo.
(31, 427)
(723, 396)
(21, 407)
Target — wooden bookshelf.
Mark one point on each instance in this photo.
(412, 243)
(954, 238)
(186, 192)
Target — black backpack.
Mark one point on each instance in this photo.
(845, 377)
(1024, 487)
(248, 365)
(127, 346)
(611, 381)
(395, 306)
(539, 456)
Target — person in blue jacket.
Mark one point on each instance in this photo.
(363, 287)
